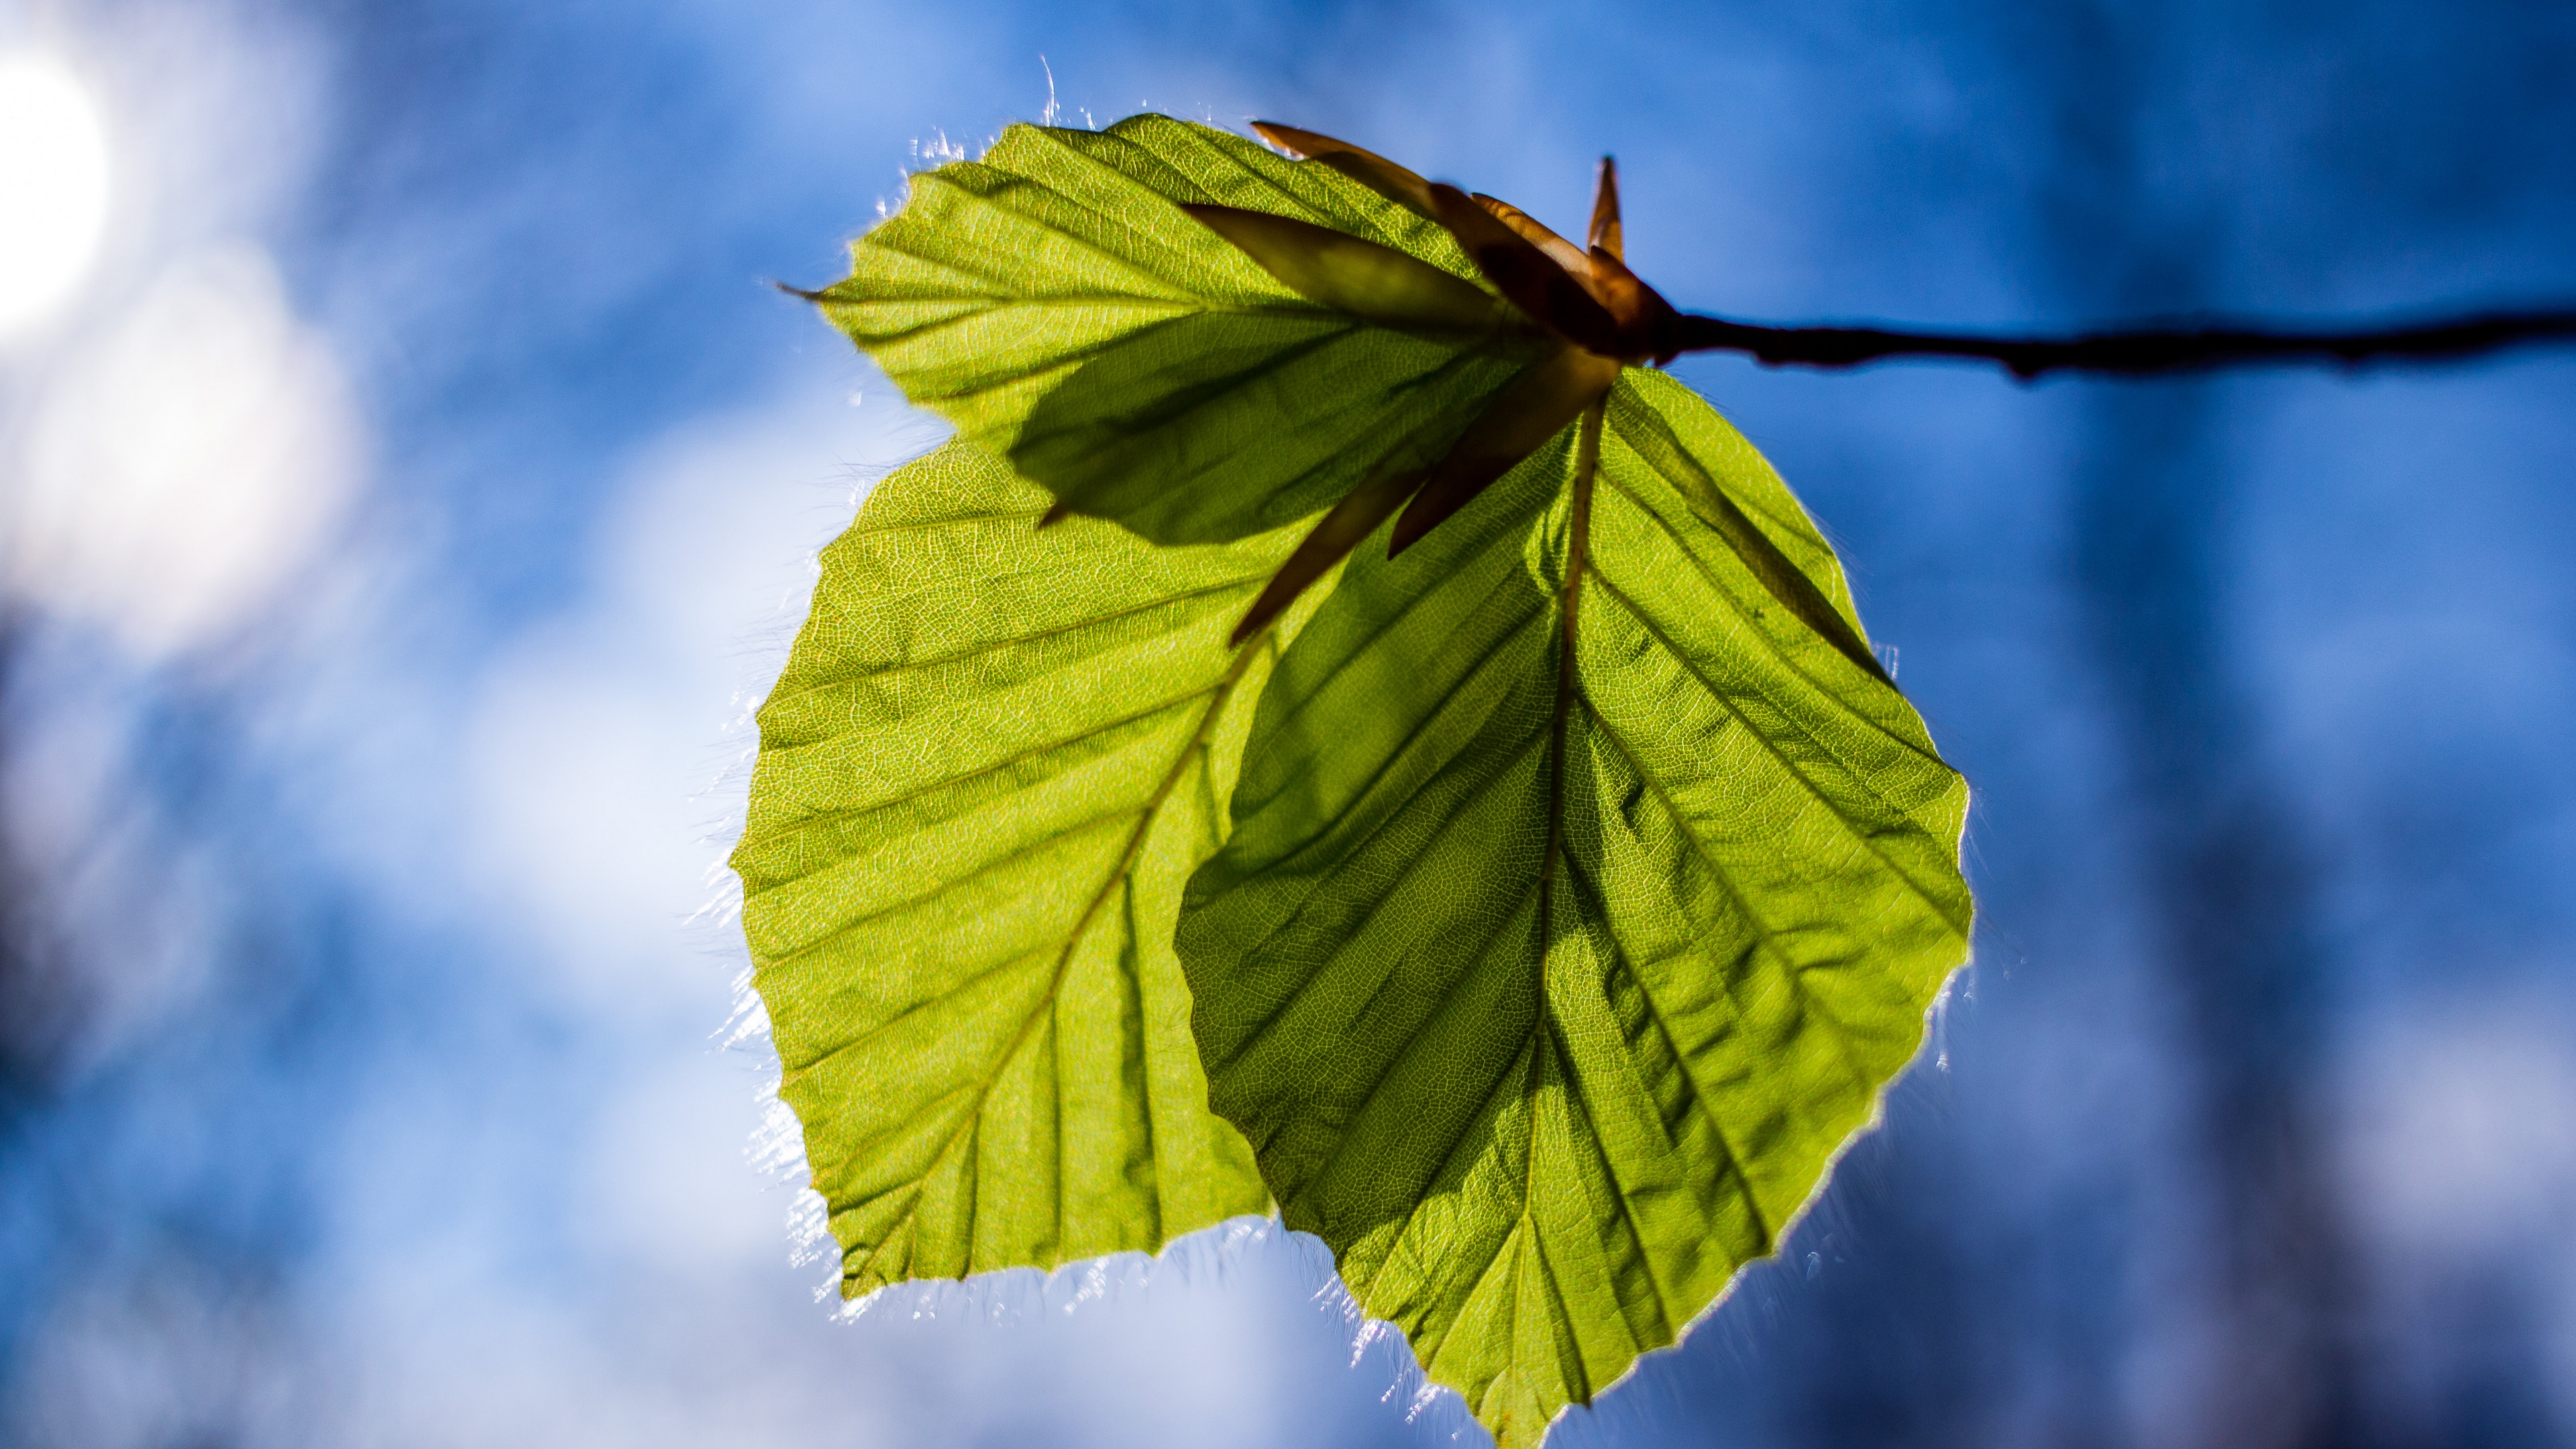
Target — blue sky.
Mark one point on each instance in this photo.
(421, 483)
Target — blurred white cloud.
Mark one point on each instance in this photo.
(184, 463)
(2460, 1168)
(666, 1171)
(600, 734)
(54, 174)
(177, 1358)
(2462, 1135)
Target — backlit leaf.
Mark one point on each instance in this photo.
(1056, 302)
(994, 758)
(1588, 878)
(1547, 997)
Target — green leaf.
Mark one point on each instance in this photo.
(994, 758)
(1056, 302)
(1589, 879)
(1546, 996)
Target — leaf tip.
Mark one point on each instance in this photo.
(1606, 232)
(1282, 138)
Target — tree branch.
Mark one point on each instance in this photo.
(2128, 353)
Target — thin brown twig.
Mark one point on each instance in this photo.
(2157, 350)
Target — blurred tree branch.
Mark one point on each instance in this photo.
(2155, 350)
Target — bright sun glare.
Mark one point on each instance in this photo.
(53, 187)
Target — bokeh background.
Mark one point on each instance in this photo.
(409, 480)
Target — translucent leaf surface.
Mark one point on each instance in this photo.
(994, 758)
(1546, 997)
(1055, 301)
(1589, 878)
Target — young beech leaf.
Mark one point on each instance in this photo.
(1580, 903)
(995, 756)
(1114, 313)
(1588, 878)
